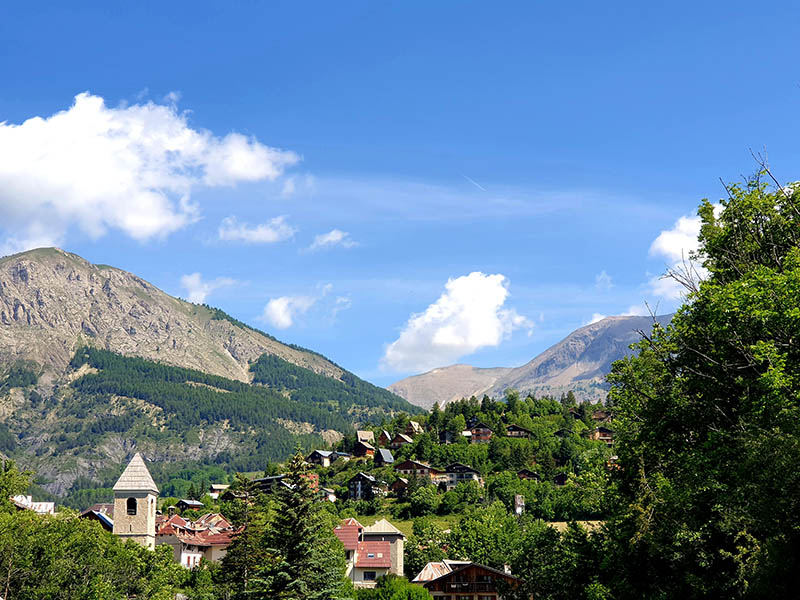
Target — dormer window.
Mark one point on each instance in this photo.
(131, 506)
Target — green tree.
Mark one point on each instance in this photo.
(424, 501)
(304, 559)
(426, 544)
(708, 417)
(392, 587)
(486, 535)
(12, 482)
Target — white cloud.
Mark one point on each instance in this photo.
(335, 237)
(275, 230)
(197, 290)
(466, 317)
(130, 168)
(595, 318)
(677, 245)
(602, 281)
(281, 312)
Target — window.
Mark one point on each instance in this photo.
(131, 506)
(370, 555)
(369, 576)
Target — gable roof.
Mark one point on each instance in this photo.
(458, 569)
(460, 468)
(481, 425)
(383, 526)
(348, 532)
(386, 455)
(403, 437)
(365, 436)
(136, 477)
(374, 554)
(362, 475)
(434, 570)
(322, 453)
(515, 427)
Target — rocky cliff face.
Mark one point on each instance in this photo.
(577, 363)
(52, 302)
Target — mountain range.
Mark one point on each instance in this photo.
(96, 362)
(578, 363)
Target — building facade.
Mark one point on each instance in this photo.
(135, 495)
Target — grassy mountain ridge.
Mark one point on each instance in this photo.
(578, 363)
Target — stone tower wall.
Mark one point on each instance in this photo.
(140, 527)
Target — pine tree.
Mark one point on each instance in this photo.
(304, 559)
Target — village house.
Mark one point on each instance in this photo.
(517, 431)
(27, 503)
(602, 434)
(105, 520)
(459, 580)
(365, 436)
(399, 486)
(399, 441)
(363, 486)
(413, 429)
(481, 433)
(414, 468)
(601, 416)
(385, 438)
(363, 450)
(457, 473)
(323, 458)
(215, 489)
(383, 457)
(384, 531)
(528, 474)
(189, 505)
(370, 552)
(206, 538)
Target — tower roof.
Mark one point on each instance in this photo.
(136, 477)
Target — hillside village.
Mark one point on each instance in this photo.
(533, 455)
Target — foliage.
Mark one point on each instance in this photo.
(12, 482)
(299, 556)
(392, 587)
(487, 536)
(70, 558)
(709, 418)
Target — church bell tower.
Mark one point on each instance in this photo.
(135, 495)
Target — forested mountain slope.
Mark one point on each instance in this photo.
(95, 362)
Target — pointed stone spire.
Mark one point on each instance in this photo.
(136, 477)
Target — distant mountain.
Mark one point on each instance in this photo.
(52, 302)
(95, 363)
(579, 363)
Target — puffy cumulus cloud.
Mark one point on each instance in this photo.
(198, 290)
(677, 246)
(469, 315)
(677, 243)
(130, 168)
(281, 312)
(275, 230)
(335, 237)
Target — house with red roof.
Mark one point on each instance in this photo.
(370, 552)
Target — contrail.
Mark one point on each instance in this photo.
(475, 183)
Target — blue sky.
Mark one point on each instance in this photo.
(323, 170)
